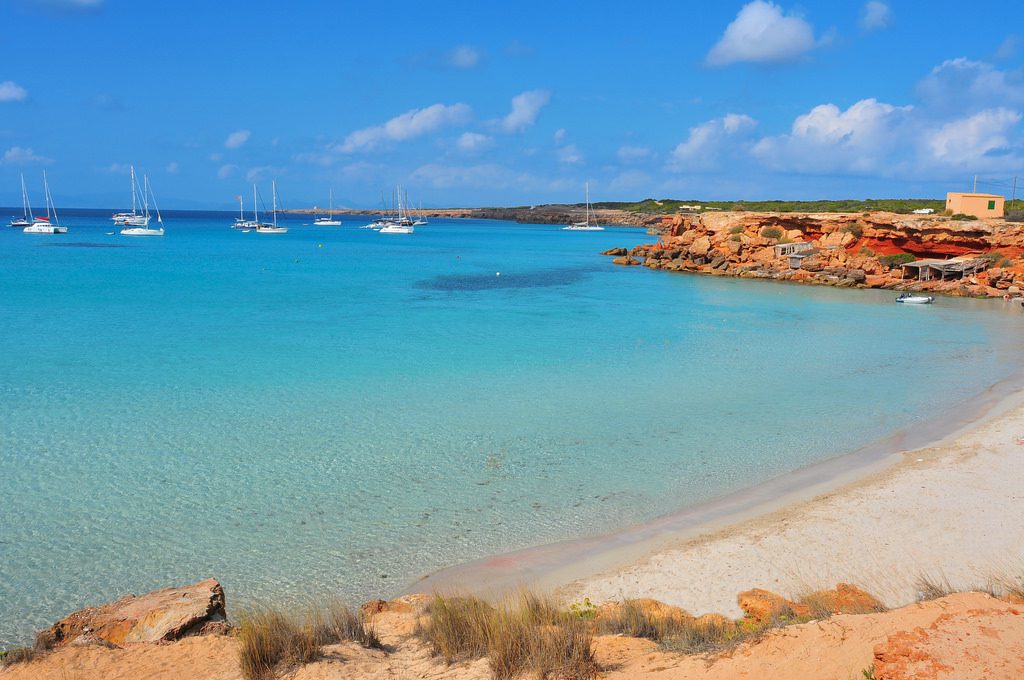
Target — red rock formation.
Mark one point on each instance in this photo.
(162, 615)
(848, 248)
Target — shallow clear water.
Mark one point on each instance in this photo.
(336, 410)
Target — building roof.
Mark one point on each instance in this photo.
(968, 193)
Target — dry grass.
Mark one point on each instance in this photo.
(272, 640)
(932, 587)
(44, 642)
(633, 620)
(526, 634)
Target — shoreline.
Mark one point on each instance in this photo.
(636, 561)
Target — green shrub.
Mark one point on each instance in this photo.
(854, 229)
(961, 217)
(896, 260)
(736, 229)
(771, 232)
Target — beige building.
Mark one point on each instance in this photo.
(978, 205)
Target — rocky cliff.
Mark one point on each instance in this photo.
(840, 249)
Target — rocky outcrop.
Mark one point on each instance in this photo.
(846, 250)
(159, 616)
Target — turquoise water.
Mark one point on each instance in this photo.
(336, 410)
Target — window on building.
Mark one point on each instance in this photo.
(991, 205)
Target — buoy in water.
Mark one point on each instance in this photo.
(497, 273)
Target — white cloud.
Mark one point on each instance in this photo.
(408, 125)
(559, 135)
(875, 15)
(118, 168)
(172, 168)
(707, 141)
(962, 84)
(10, 91)
(474, 141)
(464, 56)
(860, 139)
(1008, 48)
(237, 139)
(525, 109)
(19, 155)
(225, 171)
(261, 172)
(570, 155)
(976, 142)
(216, 157)
(632, 153)
(761, 32)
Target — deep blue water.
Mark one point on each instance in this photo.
(337, 410)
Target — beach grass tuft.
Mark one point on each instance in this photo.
(527, 633)
(272, 640)
(931, 587)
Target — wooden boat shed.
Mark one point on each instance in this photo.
(943, 270)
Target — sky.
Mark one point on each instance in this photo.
(485, 104)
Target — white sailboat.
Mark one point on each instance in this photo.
(144, 229)
(48, 224)
(240, 221)
(401, 223)
(263, 228)
(585, 225)
(26, 209)
(328, 221)
(132, 218)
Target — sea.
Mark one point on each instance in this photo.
(337, 412)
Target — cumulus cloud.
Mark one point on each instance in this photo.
(10, 91)
(705, 142)
(1008, 48)
(474, 141)
(632, 153)
(172, 168)
(875, 15)
(859, 139)
(19, 155)
(237, 139)
(225, 171)
(559, 135)
(570, 155)
(408, 125)
(525, 109)
(464, 56)
(959, 84)
(976, 141)
(762, 32)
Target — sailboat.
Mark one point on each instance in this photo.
(144, 230)
(26, 220)
(263, 228)
(585, 225)
(240, 221)
(132, 218)
(401, 223)
(328, 221)
(48, 224)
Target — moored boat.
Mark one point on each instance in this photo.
(140, 226)
(586, 224)
(26, 219)
(328, 220)
(48, 224)
(263, 228)
(910, 299)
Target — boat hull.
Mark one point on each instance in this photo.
(140, 231)
(44, 229)
(326, 223)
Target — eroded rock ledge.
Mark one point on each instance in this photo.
(846, 249)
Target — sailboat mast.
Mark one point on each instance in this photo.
(157, 207)
(330, 202)
(49, 200)
(24, 199)
(241, 215)
(273, 188)
(255, 212)
(145, 197)
(133, 189)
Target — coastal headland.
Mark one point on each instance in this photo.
(970, 258)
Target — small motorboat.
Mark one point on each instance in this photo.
(908, 299)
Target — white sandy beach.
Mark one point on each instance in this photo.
(954, 510)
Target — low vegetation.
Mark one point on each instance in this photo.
(528, 634)
(931, 587)
(273, 642)
(896, 205)
(771, 232)
(896, 260)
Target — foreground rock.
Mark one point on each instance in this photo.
(159, 616)
(965, 635)
(862, 250)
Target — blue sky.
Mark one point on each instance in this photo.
(470, 103)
